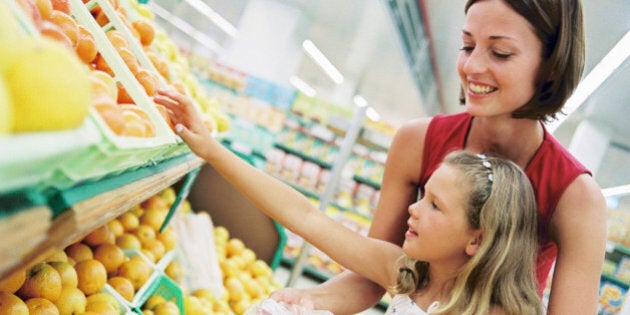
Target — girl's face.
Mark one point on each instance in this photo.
(499, 59)
(439, 231)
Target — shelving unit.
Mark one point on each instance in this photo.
(91, 205)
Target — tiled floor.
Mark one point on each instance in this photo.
(281, 274)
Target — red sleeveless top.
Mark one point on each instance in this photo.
(551, 170)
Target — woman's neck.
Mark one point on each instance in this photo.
(514, 139)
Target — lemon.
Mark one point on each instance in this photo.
(9, 34)
(6, 110)
(49, 86)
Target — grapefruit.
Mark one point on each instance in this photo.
(61, 83)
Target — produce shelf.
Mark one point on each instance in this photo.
(89, 206)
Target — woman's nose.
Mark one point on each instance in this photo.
(475, 62)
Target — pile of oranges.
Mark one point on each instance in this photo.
(72, 281)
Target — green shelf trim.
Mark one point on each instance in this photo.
(19, 200)
(624, 250)
(303, 156)
(367, 181)
(615, 280)
(62, 200)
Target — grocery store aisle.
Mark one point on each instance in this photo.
(281, 274)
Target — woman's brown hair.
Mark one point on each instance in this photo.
(559, 25)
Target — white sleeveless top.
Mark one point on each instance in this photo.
(404, 305)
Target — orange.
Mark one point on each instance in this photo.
(58, 255)
(136, 270)
(123, 95)
(155, 247)
(107, 80)
(12, 305)
(110, 255)
(117, 38)
(146, 31)
(67, 273)
(100, 17)
(41, 281)
(168, 238)
(102, 235)
(14, 281)
(61, 5)
(136, 109)
(128, 241)
(175, 271)
(168, 308)
(134, 125)
(40, 306)
(144, 233)
(67, 24)
(79, 252)
(92, 276)
(148, 81)
(116, 227)
(129, 59)
(102, 308)
(71, 301)
(159, 63)
(123, 286)
(106, 298)
(234, 247)
(154, 218)
(45, 8)
(86, 45)
(129, 221)
(111, 114)
(153, 301)
(53, 31)
(165, 114)
(101, 64)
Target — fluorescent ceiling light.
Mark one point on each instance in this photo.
(373, 114)
(360, 101)
(322, 61)
(217, 19)
(302, 86)
(615, 57)
(186, 28)
(616, 191)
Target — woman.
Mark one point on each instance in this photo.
(520, 61)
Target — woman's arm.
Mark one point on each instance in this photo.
(349, 293)
(372, 258)
(579, 228)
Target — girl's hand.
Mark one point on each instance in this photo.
(292, 296)
(188, 122)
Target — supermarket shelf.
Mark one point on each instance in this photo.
(303, 156)
(615, 280)
(89, 208)
(367, 181)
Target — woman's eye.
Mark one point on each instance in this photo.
(467, 48)
(501, 55)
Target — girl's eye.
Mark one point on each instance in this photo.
(435, 206)
(467, 48)
(501, 55)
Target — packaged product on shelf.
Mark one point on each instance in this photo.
(309, 175)
(363, 199)
(291, 166)
(324, 178)
(274, 158)
(611, 298)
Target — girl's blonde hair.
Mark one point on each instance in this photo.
(501, 274)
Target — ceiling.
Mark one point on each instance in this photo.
(360, 38)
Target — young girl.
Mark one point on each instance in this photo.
(470, 243)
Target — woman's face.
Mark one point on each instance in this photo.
(499, 59)
(439, 230)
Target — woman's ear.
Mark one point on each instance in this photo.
(475, 242)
